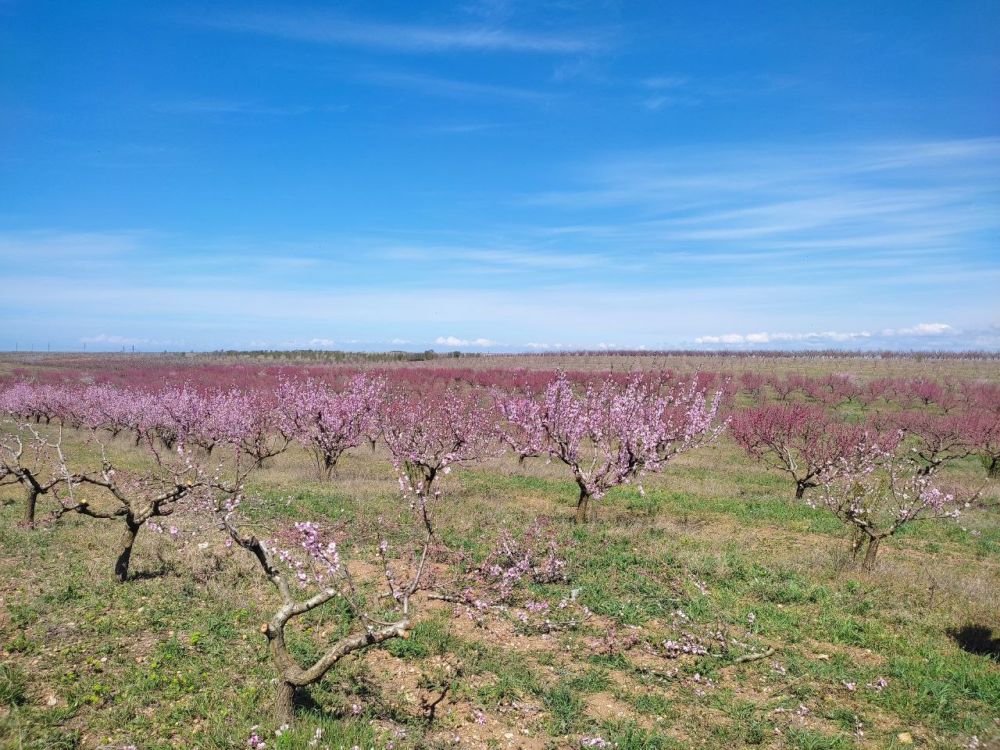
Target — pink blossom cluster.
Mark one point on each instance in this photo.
(610, 433)
(536, 557)
(318, 559)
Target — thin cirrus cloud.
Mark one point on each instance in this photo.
(918, 204)
(672, 91)
(454, 89)
(837, 337)
(326, 28)
(513, 258)
(209, 106)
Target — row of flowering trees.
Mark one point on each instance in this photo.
(834, 389)
(875, 475)
(183, 455)
(607, 432)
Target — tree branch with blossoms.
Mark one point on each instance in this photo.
(877, 489)
(302, 559)
(611, 433)
(427, 435)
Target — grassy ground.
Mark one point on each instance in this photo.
(716, 550)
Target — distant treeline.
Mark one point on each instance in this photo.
(403, 356)
(77, 359)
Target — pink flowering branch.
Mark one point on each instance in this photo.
(877, 491)
(428, 434)
(314, 563)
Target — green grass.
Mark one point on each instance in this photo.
(716, 549)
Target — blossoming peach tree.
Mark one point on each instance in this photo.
(327, 423)
(428, 434)
(801, 440)
(876, 489)
(611, 433)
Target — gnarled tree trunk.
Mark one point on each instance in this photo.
(29, 505)
(870, 553)
(583, 506)
(125, 549)
(284, 703)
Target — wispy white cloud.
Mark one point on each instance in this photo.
(322, 343)
(846, 204)
(922, 329)
(665, 82)
(457, 89)
(833, 337)
(542, 346)
(208, 106)
(681, 90)
(105, 340)
(524, 258)
(52, 245)
(774, 338)
(455, 341)
(462, 128)
(327, 28)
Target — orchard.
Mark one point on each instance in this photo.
(378, 542)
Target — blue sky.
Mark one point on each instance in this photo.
(499, 175)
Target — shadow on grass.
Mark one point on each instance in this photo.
(149, 574)
(977, 639)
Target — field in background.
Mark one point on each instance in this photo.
(176, 367)
(715, 549)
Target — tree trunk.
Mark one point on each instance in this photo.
(29, 506)
(870, 553)
(800, 490)
(326, 466)
(284, 703)
(582, 505)
(125, 550)
(856, 543)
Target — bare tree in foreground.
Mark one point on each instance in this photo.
(302, 560)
